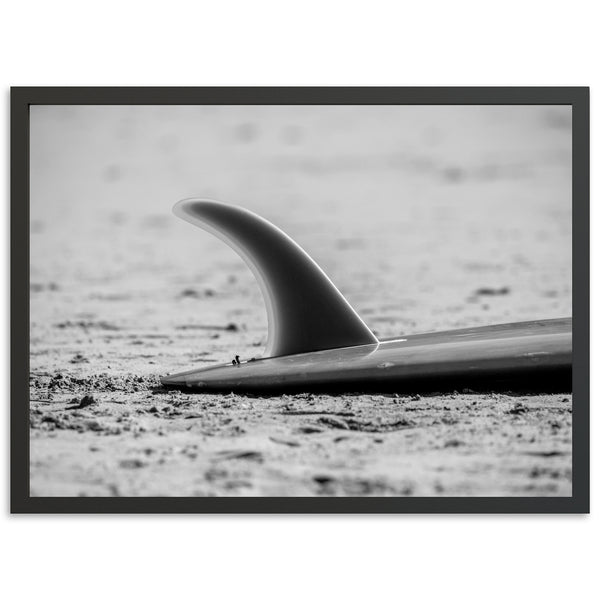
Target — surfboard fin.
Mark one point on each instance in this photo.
(305, 311)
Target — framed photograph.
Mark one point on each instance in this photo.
(300, 300)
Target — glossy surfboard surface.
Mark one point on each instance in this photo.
(317, 340)
(533, 355)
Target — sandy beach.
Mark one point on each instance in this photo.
(426, 218)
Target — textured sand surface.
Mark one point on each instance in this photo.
(426, 218)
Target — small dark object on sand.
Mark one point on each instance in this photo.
(189, 293)
(518, 409)
(131, 463)
(486, 291)
(79, 358)
(251, 455)
(87, 400)
(323, 479)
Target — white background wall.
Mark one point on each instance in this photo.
(300, 43)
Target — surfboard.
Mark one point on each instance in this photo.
(317, 341)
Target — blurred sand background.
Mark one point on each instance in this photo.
(425, 217)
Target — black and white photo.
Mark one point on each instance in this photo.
(303, 300)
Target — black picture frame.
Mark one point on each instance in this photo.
(23, 97)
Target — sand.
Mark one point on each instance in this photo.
(426, 218)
